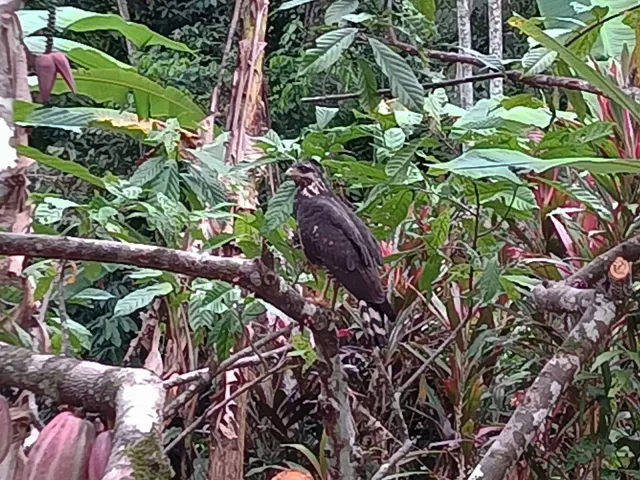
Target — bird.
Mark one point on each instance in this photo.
(333, 237)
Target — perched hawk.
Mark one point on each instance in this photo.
(335, 238)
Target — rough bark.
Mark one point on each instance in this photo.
(495, 41)
(15, 214)
(464, 41)
(598, 313)
(252, 275)
(135, 396)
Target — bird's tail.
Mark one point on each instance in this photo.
(375, 318)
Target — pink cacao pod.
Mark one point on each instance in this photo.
(100, 455)
(6, 432)
(62, 450)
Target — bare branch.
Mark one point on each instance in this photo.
(217, 406)
(252, 275)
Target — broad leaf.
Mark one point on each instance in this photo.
(489, 282)
(280, 207)
(78, 53)
(367, 86)
(397, 166)
(495, 162)
(92, 294)
(292, 4)
(329, 48)
(538, 60)
(609, 88)
(338, 9)
(77, 118)
(324, 115)
(148, 171)
(65, 166)
(404, 83)
(152, 100)
(140, 298)
(77, 20)
(394, 138)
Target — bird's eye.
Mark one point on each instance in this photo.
(304, 168)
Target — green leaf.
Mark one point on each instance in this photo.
(168, 182)
(439, 233)
(307, 453)
(394, 138)
(490, 281)
(140, 298)
(324, 115)
(152, 100)
(77, 20)
(404, 83)
(64, 166)
(355, 172)
(280, 207)
(329, 48)
(367, 86)
(78, 53)
(426, 8)
(338, 9)
(430, 272)
(292, 4)
(148, 171)
(609, 88)
(538, 60)
(77, 118)
(397, 166)
(92, 294)
(204, 182)
(521, 100)
(495, 162)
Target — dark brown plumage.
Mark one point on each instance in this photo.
(335, 238)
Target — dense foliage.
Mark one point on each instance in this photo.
(472, 209)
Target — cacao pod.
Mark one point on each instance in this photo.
(62, 450)
(293, 475)
(100, 455)
(6, 432)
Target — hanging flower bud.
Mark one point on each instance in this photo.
(48, 65)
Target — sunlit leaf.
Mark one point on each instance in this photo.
(338, 9)
(324, 115)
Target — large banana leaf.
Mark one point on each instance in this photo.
(78, 53)
(151, 100)
(613, 34)
(77, 20)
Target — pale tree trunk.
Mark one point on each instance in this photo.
(464, 41)
(246, 120)
(15, 214)
(495, 42)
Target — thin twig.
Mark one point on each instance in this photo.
(215, 407)
(433, 356)
(197, 375)
(64, 326)
(207, 377)
(395, 458)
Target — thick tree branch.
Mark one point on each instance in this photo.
(578, 348)
(136, 396)
(252, 275)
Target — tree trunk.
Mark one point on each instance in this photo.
(15, 214)
(464, 41)
(247, 119)
(495, 42)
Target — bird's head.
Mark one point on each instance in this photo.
(308, 178)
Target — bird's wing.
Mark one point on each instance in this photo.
(369, 240)
(330, 235)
